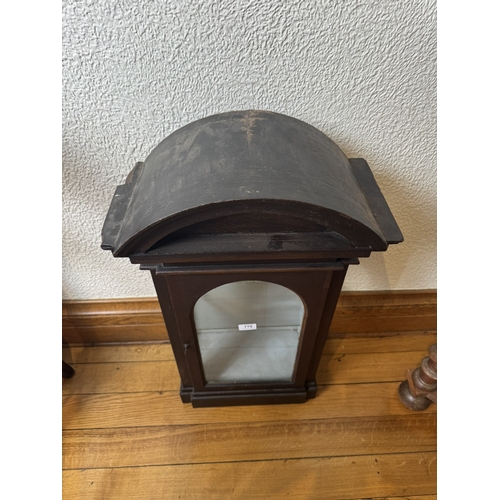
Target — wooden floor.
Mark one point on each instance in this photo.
(127, 435)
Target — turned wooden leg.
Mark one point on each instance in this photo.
(419, 389)
(67, 371)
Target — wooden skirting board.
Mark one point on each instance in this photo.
(87, 322)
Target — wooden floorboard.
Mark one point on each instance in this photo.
(163, 351)
(142, 409)
(201, 443)
(127, 435)
(316, 478)
(149, 376)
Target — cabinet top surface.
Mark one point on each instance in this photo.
(237, 165)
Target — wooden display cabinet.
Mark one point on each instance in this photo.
(248, 222)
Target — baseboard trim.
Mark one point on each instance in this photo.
(118, 321)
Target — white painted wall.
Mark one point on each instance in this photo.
(361, 71)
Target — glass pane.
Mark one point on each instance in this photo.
(248, 331)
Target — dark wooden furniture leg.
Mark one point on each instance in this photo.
(67, 371)
(419, 389)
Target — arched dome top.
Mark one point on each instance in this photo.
(247, 172)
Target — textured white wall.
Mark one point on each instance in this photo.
(361, 71)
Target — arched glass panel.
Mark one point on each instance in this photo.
(248, 331)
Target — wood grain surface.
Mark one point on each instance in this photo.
(183, 444)
(336, 478)
(162, 351)
(160, 376)
(127, 435)
(358, 314)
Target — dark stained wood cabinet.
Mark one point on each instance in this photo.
(248, 222)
